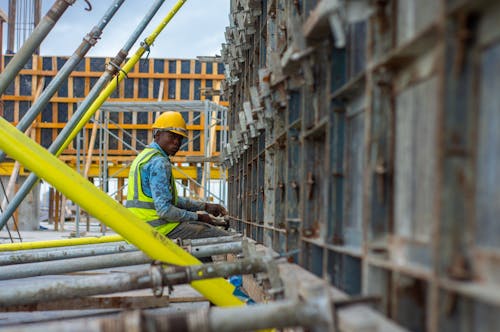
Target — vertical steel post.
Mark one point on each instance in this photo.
(11, 29)
(37, 7)
(206, 143)
(77, 211)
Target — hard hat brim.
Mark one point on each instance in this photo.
(180, 132)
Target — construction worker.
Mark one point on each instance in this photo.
(152, 194)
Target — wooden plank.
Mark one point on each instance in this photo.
(90, 150)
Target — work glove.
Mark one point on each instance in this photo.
(215, 209)
(204, 217)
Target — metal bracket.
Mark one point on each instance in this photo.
(147, 48)
(93, 36)
(116, 72)
(276, 290)
(156, 275)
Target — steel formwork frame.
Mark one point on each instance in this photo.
(384, 115)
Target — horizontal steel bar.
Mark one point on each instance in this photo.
(48, 290)
(5, 247)
(314, 313)
(215, 249)
(61, 262)
(211, 240)
(42, 255)
(72, 265)
(179, 106)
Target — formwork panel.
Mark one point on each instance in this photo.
(488, 164)
(411, 296)
(463, 313)
(281, 185)
(415, 141)
(415, 174)
(294, 178)
(351, 275)
(379, 285)
(314, 190)
(414, 16)
(353, 168)
(390, 188)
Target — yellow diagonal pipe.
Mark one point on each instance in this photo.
(129, 65)
(59, 243)
(90, 198)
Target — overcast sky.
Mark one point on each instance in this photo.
(197, 29)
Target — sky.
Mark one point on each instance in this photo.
(196, 30)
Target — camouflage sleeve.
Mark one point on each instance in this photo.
(161, 192)
(190, 204)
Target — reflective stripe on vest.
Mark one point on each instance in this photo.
(139, 203)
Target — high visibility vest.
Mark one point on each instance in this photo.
(141, 204)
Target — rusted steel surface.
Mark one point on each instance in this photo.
(379, 151)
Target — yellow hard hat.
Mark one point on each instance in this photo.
(171, 121)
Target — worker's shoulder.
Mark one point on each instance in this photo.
(160, 158)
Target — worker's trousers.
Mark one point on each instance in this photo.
(195, 230)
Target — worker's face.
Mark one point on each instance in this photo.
(170, 142)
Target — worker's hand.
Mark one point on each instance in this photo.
(215, 209)
(203, 217)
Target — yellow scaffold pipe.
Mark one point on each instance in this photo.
(129, 65)
(108, 211)
(59, 243)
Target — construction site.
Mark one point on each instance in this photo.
(354, 144)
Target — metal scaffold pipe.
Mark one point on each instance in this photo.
(283, 314)
(64, 264)
(211, 240)
(72, 265)
(105, 239)
(154, 277)
(215, 249)
(92, 102)
(87, 43)
(59, 243)
(103, 207)
(107, 210)
(50, 254)
(33, 42)
(315, 313)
